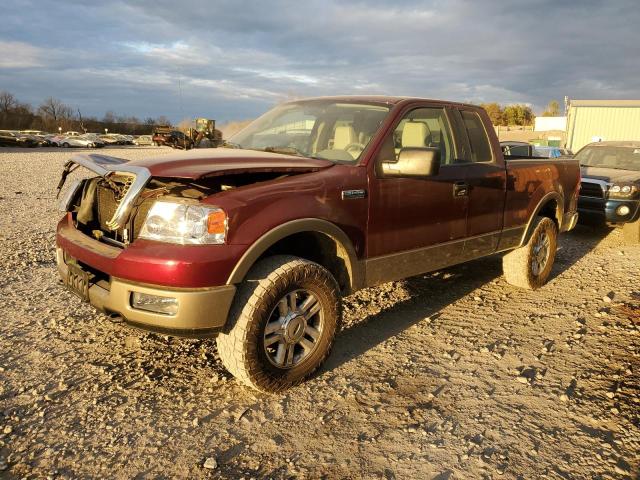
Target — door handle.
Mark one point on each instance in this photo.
(461, 189)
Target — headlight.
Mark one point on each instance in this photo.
(622, 191)
(174, 222)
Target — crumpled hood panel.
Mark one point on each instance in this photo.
(211, 162)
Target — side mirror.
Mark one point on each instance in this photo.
(414, 162)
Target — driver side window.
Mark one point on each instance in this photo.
(425, 127)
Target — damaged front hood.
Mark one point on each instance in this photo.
(194, 164)
(105, 166)
(211, 162)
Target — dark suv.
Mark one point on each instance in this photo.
(610, 191)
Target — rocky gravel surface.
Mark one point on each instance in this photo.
(452, 375)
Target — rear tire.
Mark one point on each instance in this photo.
(530, 265)
(282, 324)
(631, 232)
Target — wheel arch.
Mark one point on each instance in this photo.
(551, 206)
(311, 238)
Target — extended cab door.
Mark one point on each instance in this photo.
(485, 177)
(416, 224)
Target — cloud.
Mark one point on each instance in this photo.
(20, 55)
(231, 59)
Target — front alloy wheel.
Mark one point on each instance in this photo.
(293, 329)
(282, 324)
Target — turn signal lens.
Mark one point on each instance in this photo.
(217, 223)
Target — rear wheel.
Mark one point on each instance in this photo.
(65, 145)
(631, 232)
(530, 265)
(282, 324)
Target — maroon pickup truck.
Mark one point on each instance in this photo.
(256, 242)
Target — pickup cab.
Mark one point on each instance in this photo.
(256, 242)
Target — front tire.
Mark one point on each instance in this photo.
(631, 232)
(282, 324)
(530, 265)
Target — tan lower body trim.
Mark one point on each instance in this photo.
(199, 310)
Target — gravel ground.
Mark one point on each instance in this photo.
(452, 375)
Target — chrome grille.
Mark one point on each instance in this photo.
(106, 207)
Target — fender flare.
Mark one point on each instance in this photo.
(354, 266)
(533, 222)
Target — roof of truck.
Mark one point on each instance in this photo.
(381, 99)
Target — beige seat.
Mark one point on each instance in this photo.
(414, 134)
(343, 136)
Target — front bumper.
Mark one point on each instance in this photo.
(201, 311)
(600, 210)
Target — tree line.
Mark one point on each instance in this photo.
(52, 114)
(517, 114)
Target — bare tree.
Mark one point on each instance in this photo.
(7, 102)
(109, 117)
(54, 109)
(163, 120)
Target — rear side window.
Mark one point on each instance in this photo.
(478, 139)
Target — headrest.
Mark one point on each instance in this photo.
(414, 134)
(343, 136)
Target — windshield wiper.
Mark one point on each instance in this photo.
(285, 150)
(227, 144)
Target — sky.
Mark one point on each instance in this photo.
(233, 60)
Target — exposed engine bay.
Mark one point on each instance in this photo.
(96, 200)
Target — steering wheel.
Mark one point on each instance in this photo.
(357, 147)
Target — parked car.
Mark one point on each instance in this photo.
(256, 242)
(178, 139)
(77, 141)
(13, 138)
(525, 149)
(94, 138)
(159, 138)
(8, 139)
(38, 140)
(610, 190)
(110, 140)
(55, 140)
(160, 133)
(143, 140)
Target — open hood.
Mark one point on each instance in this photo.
(194, 164)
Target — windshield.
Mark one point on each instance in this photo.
(621, 158)
(326, 129)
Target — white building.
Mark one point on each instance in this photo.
(546, 124)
